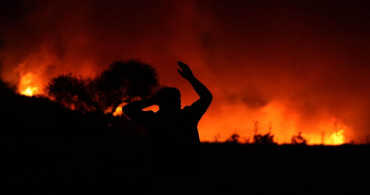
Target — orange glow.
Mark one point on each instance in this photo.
(29, 85)
(33, 72)
(275, 117)
(29, 91)
(118, 111)
(290, 72)
(337, 138)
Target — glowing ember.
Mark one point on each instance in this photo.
(118, 111)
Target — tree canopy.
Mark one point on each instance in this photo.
(123, 81)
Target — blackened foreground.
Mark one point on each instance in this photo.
(105, 164)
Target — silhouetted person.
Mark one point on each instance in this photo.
(172, 125)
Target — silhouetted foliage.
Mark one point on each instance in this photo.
(298, 139)
(268, 138)
(72, 92)
(234, 138)
(122, 82)
(23, 115)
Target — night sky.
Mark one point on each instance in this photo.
(294, 66)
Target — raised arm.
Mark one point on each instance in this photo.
(135, 107)
(204, 94)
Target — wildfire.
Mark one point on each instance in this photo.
(284, 123)
(277, 118)
(337, 138)
(30, 91)
(29, 85)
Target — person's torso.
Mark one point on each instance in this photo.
(175, 127)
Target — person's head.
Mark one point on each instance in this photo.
(168, 98)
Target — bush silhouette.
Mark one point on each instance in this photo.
(123, 81)
(298, 139)
(234, 138)
(267, 138)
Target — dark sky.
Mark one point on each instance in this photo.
(303, 65)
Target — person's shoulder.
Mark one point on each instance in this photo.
(191, 108)
(195, 105)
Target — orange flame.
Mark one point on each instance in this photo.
(337, 138)
(29, 91)
(28, 85)
(275, 117)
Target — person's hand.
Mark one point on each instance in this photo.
(185, 71)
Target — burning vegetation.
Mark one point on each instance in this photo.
(300, 66)
(128, 80)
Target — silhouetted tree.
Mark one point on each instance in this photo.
(72, 92)
(298, 139)
(122, 82)
(125, 81)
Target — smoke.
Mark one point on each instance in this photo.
(309, 57)
(301, 65)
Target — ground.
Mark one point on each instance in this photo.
(103, 164)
